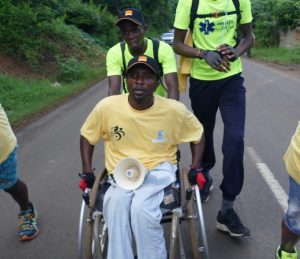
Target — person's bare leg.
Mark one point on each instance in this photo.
(20, 194)
(288, 239)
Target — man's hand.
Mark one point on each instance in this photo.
(196, 176)
(87, 180)
(212, 58)
(216, 61)
(228, 51)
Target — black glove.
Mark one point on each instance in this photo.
(89, 179)
(192, 174)
(227, 51)
(212, 58)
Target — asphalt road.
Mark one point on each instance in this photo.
(49, 161)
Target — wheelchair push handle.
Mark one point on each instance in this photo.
(200, 182)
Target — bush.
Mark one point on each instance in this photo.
(115, 6)
(109, 35)
(94, 20)
(85, 17)
(69, 70)
(264, 22)
(266, 34)
(287, 13)
(23, 31)
(295, 56)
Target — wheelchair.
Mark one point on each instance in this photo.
(181, 204)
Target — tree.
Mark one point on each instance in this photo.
(159, 14)
(115, 6)
(266, 30)
(287, 13)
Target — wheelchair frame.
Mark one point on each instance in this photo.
(93, 236)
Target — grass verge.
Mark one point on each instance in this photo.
(24, 99)
(278, 55)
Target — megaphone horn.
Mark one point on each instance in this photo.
(129, 173)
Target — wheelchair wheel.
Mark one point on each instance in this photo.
(95, 241)
(100, 238)
(93, 238)
(196, 221)
(176, 247)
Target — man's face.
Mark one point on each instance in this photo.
(141, 83)
(132, 33)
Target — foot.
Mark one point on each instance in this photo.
(207, 188)
(232, 224)
(280, 254)
(28, 225)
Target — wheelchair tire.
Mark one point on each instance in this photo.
(87, 244)
(175, 245)
(100, 238)
(87, 241)
(196, 224)
(95, 240)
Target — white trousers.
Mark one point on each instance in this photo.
(138, 212)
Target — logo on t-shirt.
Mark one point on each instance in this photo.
(160, 137)
(207, 27)
(117, 133)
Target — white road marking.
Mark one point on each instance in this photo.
(269, 178)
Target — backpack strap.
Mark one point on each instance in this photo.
(155, 44)
(193, 14)
(215, 15)
(238, 10)
(239, 16)
(122, 45)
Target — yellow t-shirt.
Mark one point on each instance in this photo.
(166, 57)
(292, 156)
(151, 135)
(8, 139)
(210, 32)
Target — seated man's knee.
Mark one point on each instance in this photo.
(115, 199)
(143, 213)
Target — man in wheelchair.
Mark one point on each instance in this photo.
(148, 128)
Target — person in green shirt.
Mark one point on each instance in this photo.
(216, 83)
(132, 27)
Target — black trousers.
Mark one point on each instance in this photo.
(228, 95)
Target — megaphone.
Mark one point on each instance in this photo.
(129, 173)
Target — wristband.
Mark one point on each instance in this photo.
(83, 174)
(198, 54)
(197, 167)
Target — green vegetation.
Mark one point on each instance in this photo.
(23, 98)
(278, 55)
(270, 16)
(65, 41)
